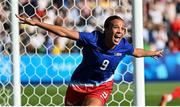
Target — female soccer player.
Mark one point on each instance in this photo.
(92, 81)
(169, 97)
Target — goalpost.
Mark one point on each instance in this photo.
(16, 54)
(139, 62)
(18, 93)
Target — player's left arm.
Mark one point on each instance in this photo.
(144, 53)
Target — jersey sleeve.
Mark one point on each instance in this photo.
(85, 38)
(129, 47)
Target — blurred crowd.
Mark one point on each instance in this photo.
(161, 23)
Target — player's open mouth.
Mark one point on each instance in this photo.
(117, 38)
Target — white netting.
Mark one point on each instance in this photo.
(47, 61)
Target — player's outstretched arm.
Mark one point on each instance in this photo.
(59, 30)
(143, 53)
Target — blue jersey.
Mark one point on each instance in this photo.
(98, 63)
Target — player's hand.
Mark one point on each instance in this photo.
(157, 54)
(26, 21)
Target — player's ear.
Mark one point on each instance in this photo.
(125, 30)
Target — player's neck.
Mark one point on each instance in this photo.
(108, 45)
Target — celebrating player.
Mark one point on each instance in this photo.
(92, 81)
(169, 97)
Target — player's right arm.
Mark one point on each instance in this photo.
(59, 30)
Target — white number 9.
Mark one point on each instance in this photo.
(104, 64)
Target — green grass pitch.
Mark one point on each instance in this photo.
(155, 90)
(52, 95)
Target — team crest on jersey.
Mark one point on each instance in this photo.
(118, 54)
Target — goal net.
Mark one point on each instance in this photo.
(48, 61)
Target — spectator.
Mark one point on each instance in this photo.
(175, 25)
(57, 47)
(173, 43)
(160, 36)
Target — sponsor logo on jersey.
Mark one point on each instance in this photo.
(118, 54)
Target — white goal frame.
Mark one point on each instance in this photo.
(139, 62)
(16, 54)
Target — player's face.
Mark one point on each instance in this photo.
(116, 31)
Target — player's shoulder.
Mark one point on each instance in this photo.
(123, 41)
(95, 35)
(89, 37)
(91, 34)
(96, 32)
